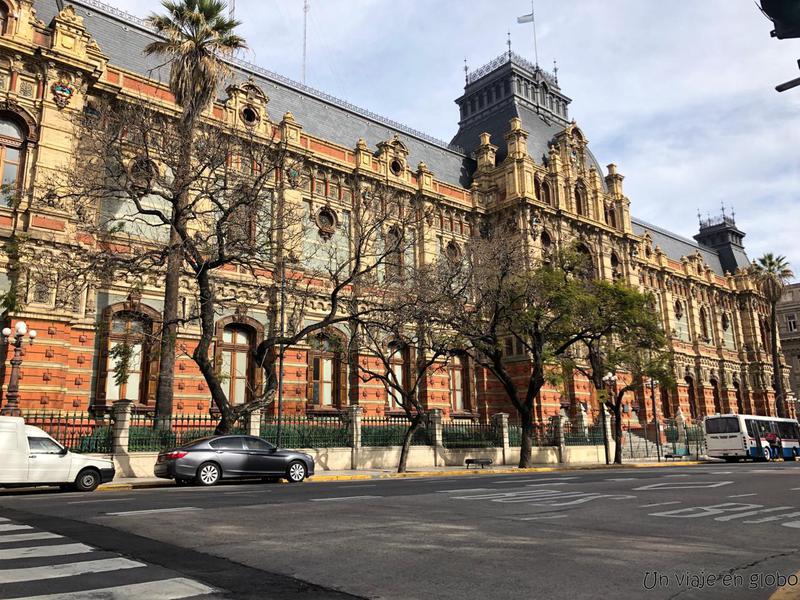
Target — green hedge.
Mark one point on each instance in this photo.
(100, 441)
(392, 435)
(305, 435)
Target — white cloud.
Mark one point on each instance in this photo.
(679, 94)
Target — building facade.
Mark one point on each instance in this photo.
(516, 153)
(788, 315)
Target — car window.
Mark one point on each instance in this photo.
(257, 444)
(231, 443)
(42, 445)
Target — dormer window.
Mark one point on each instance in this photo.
(249, 116)
(396, 167)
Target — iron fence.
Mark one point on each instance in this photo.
(543, 435)
(148, 433)
(307, 432)
(77, 431)
(687, 440)
(390, 431)
(576, 435)
(470, 435)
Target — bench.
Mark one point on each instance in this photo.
(679, 453)
(483, 462)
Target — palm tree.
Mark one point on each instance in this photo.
(772, 274)
(197, 36)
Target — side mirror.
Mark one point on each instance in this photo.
(63, 452)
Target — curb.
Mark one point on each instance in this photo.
(112, 487)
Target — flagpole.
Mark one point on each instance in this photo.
(535, 47)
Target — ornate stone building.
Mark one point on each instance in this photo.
(788, 315)
(517, 152)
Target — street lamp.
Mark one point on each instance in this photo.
(652, 381)
(610, 379)
(11, 409)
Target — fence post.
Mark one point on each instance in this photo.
(560, 438)
(354, 415)
(254, 423)
(501, 424)
(121, 418)
(608, 435)
(437, 435)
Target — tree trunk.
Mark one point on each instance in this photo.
(169, 332)
(777, 375)
(603, 417)
(617, 435)
(201, 358)
(416, 421)
(526, 443)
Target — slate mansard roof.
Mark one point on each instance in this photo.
(123, 37)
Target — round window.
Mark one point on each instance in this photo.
(453, 251)
(326, 220)
(249, 115)
(396, 166)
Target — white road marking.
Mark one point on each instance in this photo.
(43, 551)
(677, 475)
(538, 484)
(742, 495)
(13, 527)
(623, 479)
(96, 501)
(67, 570)
(544, 497)
(719, 472)
(343, 498)
(169, 589)
(350, 487)
(659, 504)
(465, 490)
(683, 485)
(540, 479)
(246, 492)
(4, 520)
(750, 513)
(27, 537)
(152, 511)
(540, 517)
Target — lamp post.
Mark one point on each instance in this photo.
(652, 381)
(11, 409)
(281, 352)
(610, 380)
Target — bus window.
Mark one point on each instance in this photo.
(752, 428)
(787, 430)
(722, 425)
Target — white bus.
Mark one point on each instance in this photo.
(734, 437)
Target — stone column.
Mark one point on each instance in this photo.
(254, 423)
(121, 416)
(354, 414)
(437, 436)
(500, 421)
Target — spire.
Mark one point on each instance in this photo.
(466, 71)
(509, 44)
(555, 70)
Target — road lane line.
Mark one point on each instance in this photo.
(538, 484)
(152, 511)
(4, 520)
(741, 495)
(350, 487)
(678, 475)
(622, 479)
(28, 537)
(512, 481)
(659, 504)
(541, 517)
(465, 490)
(44, 551)
(343, 498)
(67, 570)
(13, 527)
(168, 589)
(96, 501)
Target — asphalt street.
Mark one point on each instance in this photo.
(708, 531)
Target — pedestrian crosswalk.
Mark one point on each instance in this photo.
(42, 565)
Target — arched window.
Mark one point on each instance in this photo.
(691, 397)
(3, 19)
(459, 384)
(236, 363)
(547, 194)
(399, 363)
(739, 402)
(127, 366)
(611, 215)
(616, 272)
(537, 188)
(717, 401)
(326, 373)
(704, 329)
(12, 146)
(394, 254)
(581, 202)
(586, 264)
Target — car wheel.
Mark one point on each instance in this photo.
(183, 482)
(766, 453)
(87, 480)
(208, 474)
(296, 472)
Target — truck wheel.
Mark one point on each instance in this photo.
(87, 480)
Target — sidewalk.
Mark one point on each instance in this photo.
(126, 483)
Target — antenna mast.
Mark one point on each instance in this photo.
(306, 8)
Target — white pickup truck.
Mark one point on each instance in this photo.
(28, 457)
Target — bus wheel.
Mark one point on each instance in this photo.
(766, 453)
(795, 453)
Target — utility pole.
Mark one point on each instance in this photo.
(306, 8)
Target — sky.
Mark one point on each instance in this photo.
(680, 94)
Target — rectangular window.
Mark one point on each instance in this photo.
(722, 425)
(394, 396)
(791, 322)
(130, 389)
(322, 381)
